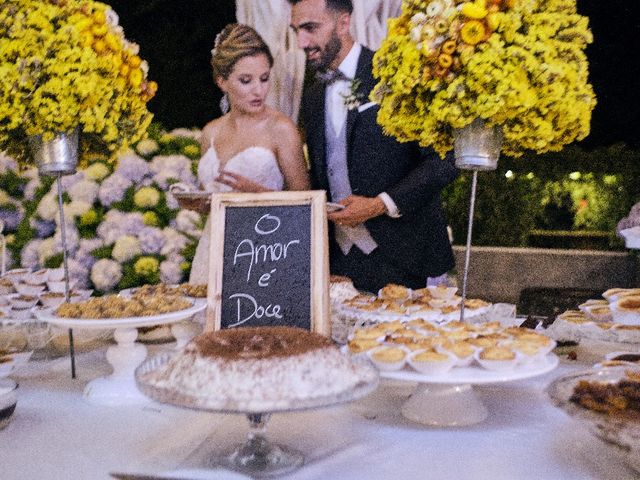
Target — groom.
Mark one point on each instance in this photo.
(393, 228)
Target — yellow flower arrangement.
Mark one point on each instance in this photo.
(519, 64)
(66, 64)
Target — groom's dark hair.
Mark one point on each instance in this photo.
(335, 5)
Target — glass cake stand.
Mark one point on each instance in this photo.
(449, 400)
(257, 456)
(120, 388)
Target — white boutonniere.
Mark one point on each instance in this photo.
(353, 99)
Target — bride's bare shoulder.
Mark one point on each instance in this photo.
(209, 131)
(282, 124)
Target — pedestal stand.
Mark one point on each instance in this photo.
(67, 293)
(257, 456)
(477, 148)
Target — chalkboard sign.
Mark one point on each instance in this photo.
(269, 261)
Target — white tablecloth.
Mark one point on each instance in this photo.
(56, 434)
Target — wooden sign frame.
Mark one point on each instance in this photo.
(319, 250)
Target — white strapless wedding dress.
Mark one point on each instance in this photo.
(258, 164)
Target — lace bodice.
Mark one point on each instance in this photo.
(258, 164)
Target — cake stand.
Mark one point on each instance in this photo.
(449, 400)
(257, 457)
(120, 388)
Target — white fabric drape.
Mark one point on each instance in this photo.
(369, 20)
(270, 18)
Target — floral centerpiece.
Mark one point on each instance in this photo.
(517, 64)
(124, 228)
(66, 64)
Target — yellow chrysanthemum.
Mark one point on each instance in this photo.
(150, 219)
(146, 266)
(472, 32)
(146, 197)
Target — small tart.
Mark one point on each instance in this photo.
(388, 355)
(368, 334)
(361, 345)
(460, 349)
(483, 342)
(394, 291)
(497, 353)
(442, 291)
(430, 356)
(629, 303)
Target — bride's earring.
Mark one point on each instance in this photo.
(224, 103)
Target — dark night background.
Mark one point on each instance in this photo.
(176, 39)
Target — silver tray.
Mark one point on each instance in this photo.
(620, 432)
(211, 404)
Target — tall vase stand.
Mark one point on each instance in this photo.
(67, 293)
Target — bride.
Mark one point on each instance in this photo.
(252, 147)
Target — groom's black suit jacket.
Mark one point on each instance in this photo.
(417, 242)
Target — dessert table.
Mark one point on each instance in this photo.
(56, 434)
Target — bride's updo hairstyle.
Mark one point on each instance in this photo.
(233, 43)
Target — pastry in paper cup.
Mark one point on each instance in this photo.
(442, 291)
(463, 352)
(626, 310)
(388, 358)
(432, 362)
(30, 289)
(497, 358)
(39, 277)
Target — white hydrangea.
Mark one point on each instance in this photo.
(189, 222)
(72, 237)
(147, 146)
(170, 272)
(85, 191)
(29, 256)
(74, 209)
(185, 132)
(105, 274)
(48, 207)
(125, 248)
(31, 187)
(47, 249)
(174, 241)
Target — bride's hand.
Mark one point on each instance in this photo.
(239, 183)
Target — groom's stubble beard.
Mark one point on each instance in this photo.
(328, 55)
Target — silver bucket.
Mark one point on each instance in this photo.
(57, 156)
(477, 146)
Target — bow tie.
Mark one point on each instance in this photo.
(329, 76)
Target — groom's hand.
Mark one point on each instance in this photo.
(358, 210)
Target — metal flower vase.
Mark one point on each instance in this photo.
(58, 157)
(476, 148)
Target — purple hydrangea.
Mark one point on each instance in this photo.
(133, 168)
(43, 228)
(113, 188)
(67, 181)
(11, 218)
(151, 240)
(111, 227)
(79, 274)
(132, 223)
